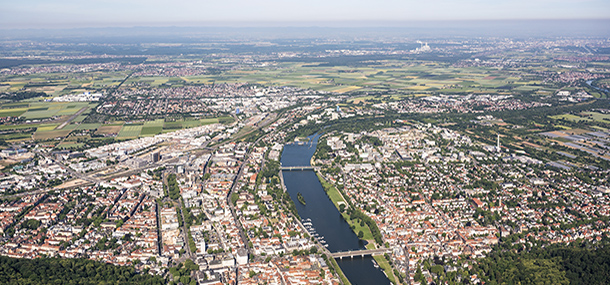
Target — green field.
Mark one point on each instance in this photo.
(191, 124)
(91, 126)
(70, 145)
(16, 112)
(210, 121)
(155, 123)
(151, 131)
(398, 75)
(45, 135)
(46, 127)
(570, 117)
(597, 116)
(130, 131)
(43, 110)
(172, 125)
(15, 136)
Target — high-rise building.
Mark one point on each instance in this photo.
(156, 156)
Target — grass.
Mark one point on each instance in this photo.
(172, 125)
(91, 126)
(346, 89)
(15, 136)
(396, 74)
(15, 105)
(209, 121)
(336, 197)
(130, 131)
(225, 120)
(108, 129)
(15, 112)
(387, 268)
(151, 130)
(598, 116)
(155, 123)
(344, 279)
(570, 117)
(191, 124)
(45, 135)
(70, 145)
(332, 192)
(42, 114)
(18, 127)
(46, 127)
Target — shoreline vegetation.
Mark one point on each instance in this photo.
(301, 199)
(363, 232)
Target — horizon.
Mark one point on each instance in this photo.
(115, 13)
(428, 29)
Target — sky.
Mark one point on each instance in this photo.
(26, 14)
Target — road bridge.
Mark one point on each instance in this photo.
(299, 168)
(362, 252)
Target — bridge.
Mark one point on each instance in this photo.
(299, 168)
(362, 252)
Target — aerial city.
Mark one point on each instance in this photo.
(260, 142)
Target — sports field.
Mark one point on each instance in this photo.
(130, 131)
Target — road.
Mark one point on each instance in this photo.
(70, 170)
(228, 199)
(185, 233)
(265, 122)
(83, 109)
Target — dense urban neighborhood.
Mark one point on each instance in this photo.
(441, 160)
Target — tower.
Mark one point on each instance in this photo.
(498, 147)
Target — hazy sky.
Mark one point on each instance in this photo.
(127, 13)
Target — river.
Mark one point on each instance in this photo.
(324, 216)
(590, 83)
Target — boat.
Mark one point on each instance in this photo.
(375, 263)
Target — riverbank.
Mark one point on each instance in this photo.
(337, 198)
(339, 271)
(328, 224)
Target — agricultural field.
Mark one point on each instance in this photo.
(58, 84)
(152, 128)
(570, 117)
(43, 110)
(52, 134)
(12, 112)
(108, 129)
(585, 117)
(91, 126)
(399, 76)
(597, 116)
(130, 131)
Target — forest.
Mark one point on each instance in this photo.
(69, 271)
(578, 263)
